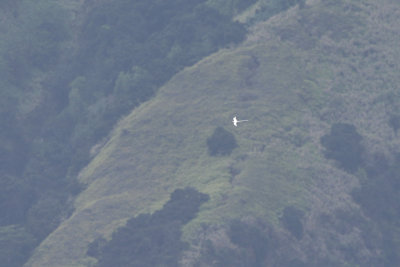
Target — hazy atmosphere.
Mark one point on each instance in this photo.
(197, 133)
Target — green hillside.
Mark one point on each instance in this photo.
(296, 76)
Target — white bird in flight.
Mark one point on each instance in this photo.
(235, 121)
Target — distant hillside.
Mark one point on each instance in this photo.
(319, 85)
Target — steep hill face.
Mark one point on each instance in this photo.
(297, 74)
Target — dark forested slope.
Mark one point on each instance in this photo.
(69, 70)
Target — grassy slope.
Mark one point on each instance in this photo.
(290, 89)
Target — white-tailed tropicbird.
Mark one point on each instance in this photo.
(235, 121)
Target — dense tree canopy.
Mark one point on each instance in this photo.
(379, 189)
(151, 240)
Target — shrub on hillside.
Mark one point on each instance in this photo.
(343, 144)
(291, 220)
(221, 142)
